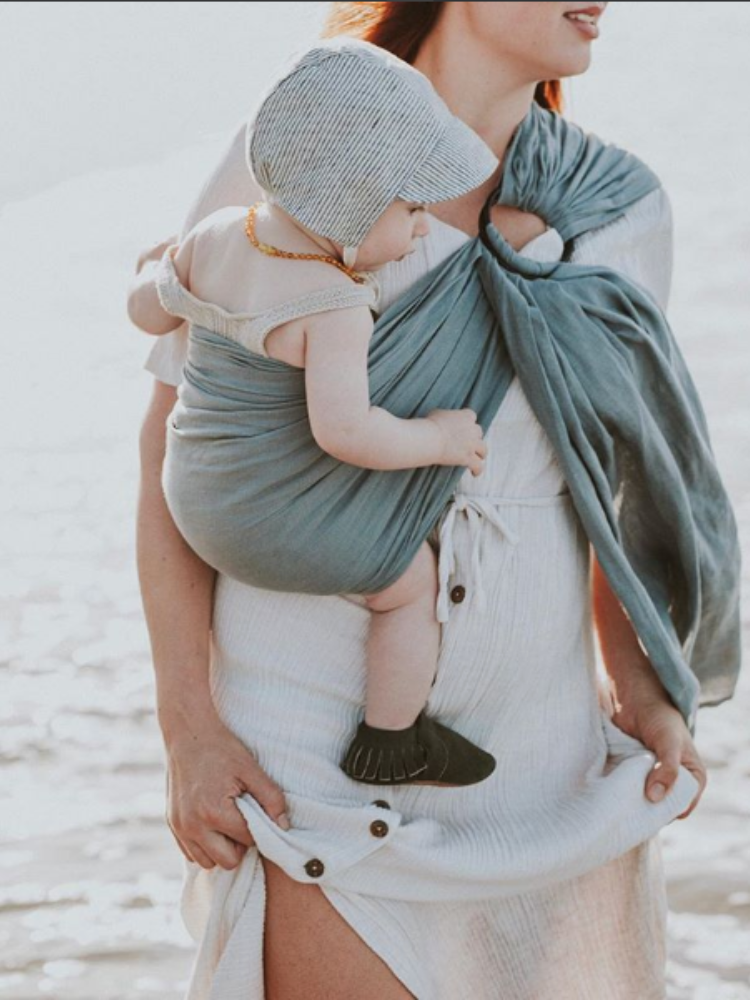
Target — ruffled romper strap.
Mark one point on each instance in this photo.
(251, 329)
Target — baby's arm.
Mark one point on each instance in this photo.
(144, 306)
(347, 426)
(230, 183)
(342, 419)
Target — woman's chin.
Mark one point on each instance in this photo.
(576, 62)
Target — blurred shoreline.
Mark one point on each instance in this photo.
(89, 873)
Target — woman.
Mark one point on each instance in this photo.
(259, 733)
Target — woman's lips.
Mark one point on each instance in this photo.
(588, 27)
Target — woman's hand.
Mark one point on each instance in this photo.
(207, 768)
(652, 718)
(643, 709)
(207, 765)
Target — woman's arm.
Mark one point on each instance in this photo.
(640, 245)
(176, 586)
(643, 708)
(207, 764)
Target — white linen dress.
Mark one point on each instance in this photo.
(543, 882)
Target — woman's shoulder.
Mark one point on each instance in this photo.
(229, 184)
(217, 233)
(649, 214)
(639, 243)
(220, 219)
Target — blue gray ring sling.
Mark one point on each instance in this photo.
(256, 497)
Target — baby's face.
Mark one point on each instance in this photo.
(394, 235)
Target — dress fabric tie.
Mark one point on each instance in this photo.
(476, 506)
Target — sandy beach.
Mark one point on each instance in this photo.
(89, 872)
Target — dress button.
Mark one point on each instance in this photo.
(382, 803)
(379, 828)
(314, 867)
(458, 593)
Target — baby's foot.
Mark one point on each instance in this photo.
(425, 753)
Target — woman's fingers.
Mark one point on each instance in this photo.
(212, 857)
(207, 773)
(180, 843)
(698, 770)
(664, 739)
(266, 792)
(205, 838)
(182, 846)
(232, 824)
(663, 775)
(225, 836)
(673, 746)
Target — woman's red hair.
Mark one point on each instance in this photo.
(401, 28)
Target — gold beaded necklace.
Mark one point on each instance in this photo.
(276, 252)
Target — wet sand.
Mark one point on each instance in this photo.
(89, 873)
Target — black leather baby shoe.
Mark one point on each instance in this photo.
(426, 752)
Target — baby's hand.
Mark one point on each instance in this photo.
(153, 252)
(462, 439)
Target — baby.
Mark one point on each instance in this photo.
(349, 147)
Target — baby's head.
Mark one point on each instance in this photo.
(353, 143)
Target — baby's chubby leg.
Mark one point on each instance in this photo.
(403, 644)
(396, 741)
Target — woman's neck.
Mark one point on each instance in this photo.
(478, 87)
(491, 98)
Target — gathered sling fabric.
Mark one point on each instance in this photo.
(257, 498)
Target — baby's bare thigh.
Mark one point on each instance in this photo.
(419, 581)
(311, 953)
